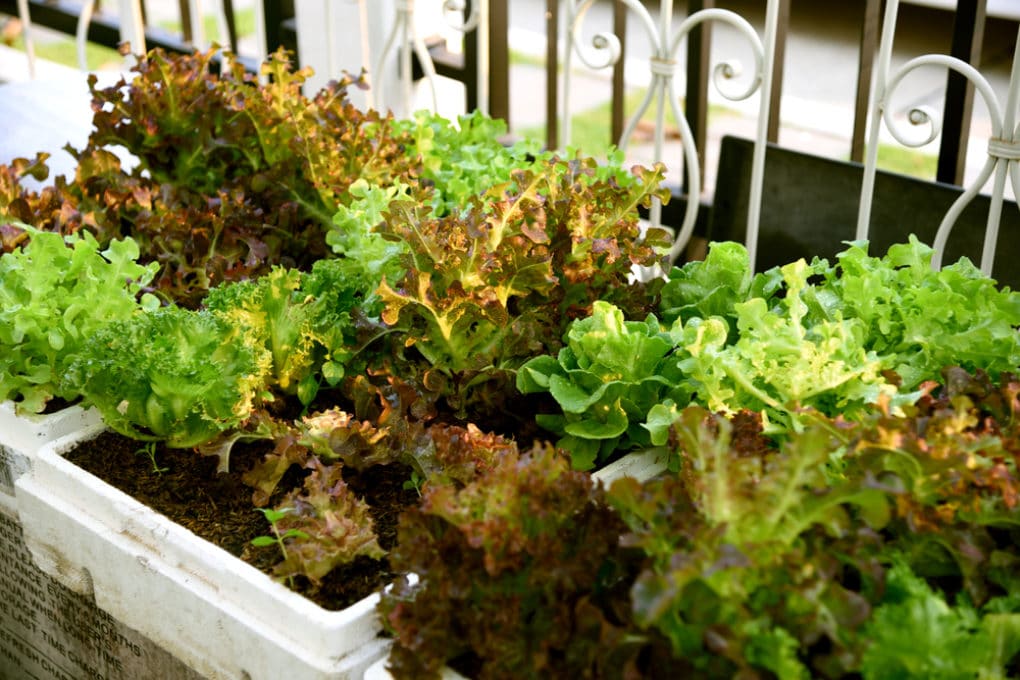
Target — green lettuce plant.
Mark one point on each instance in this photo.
(55, 292)
(172, 374)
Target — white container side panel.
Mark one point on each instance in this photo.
(209, 609)
(21, 436)
(50, 632)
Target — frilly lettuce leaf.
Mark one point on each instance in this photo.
(55, 292)
(172, 374)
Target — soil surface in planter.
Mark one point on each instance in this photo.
(218, 507)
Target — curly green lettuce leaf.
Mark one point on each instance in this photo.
(465, 158)
(305, 320)
(915, 633)
(55, 292)
(353, 234)
(174, 375)
(781, 361)
(920, 320)
(609, 376)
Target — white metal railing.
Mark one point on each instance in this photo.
(132, 28)
(1003, 146)
(665, 45)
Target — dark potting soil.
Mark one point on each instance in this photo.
(218, 507)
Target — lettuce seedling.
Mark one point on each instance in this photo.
(920, 320)
(54, 293)
(324, 526)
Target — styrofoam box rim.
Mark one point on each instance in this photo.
(169, 547)
(25, 432)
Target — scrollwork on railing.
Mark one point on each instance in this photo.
(457, 7)
(665, 44)
(1003, 148)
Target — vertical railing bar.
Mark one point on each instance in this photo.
(568, 51)
(331, 43)
(484, 64)
(499, 61)
(197, 26)
(184, 7)
(778, 56)
(405, 53)
(885, 45)
(865, 70)
(699, 54)
(772, 12)
(272, 20)
(660, 84)
(366, 52)
(619, 71)
(552, 75)
(1009, 134)
(968, 35)
(261, 39)
(132, 30)
(227, 17)
(471, 53)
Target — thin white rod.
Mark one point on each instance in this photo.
(198, 38)
(331, 41)
(760, 143)
(261, 37)
(81, 35)
(482, 83)
(1003, 169)
(26, 30)
(427, 66)
(222, 25)
(878, 103)
(406, 17)
(366, 51)
(375, 75)
(132, 29)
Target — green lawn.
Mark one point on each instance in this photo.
(63, 50)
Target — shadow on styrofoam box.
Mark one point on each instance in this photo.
(214, 612)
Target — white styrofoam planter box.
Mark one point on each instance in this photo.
(22, 435)
(49, 632)
(221, 616)
(641, 465)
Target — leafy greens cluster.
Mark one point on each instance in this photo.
(835, 338)
(484, 291)
(226, 177)
(54, 293)
(877, 548)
